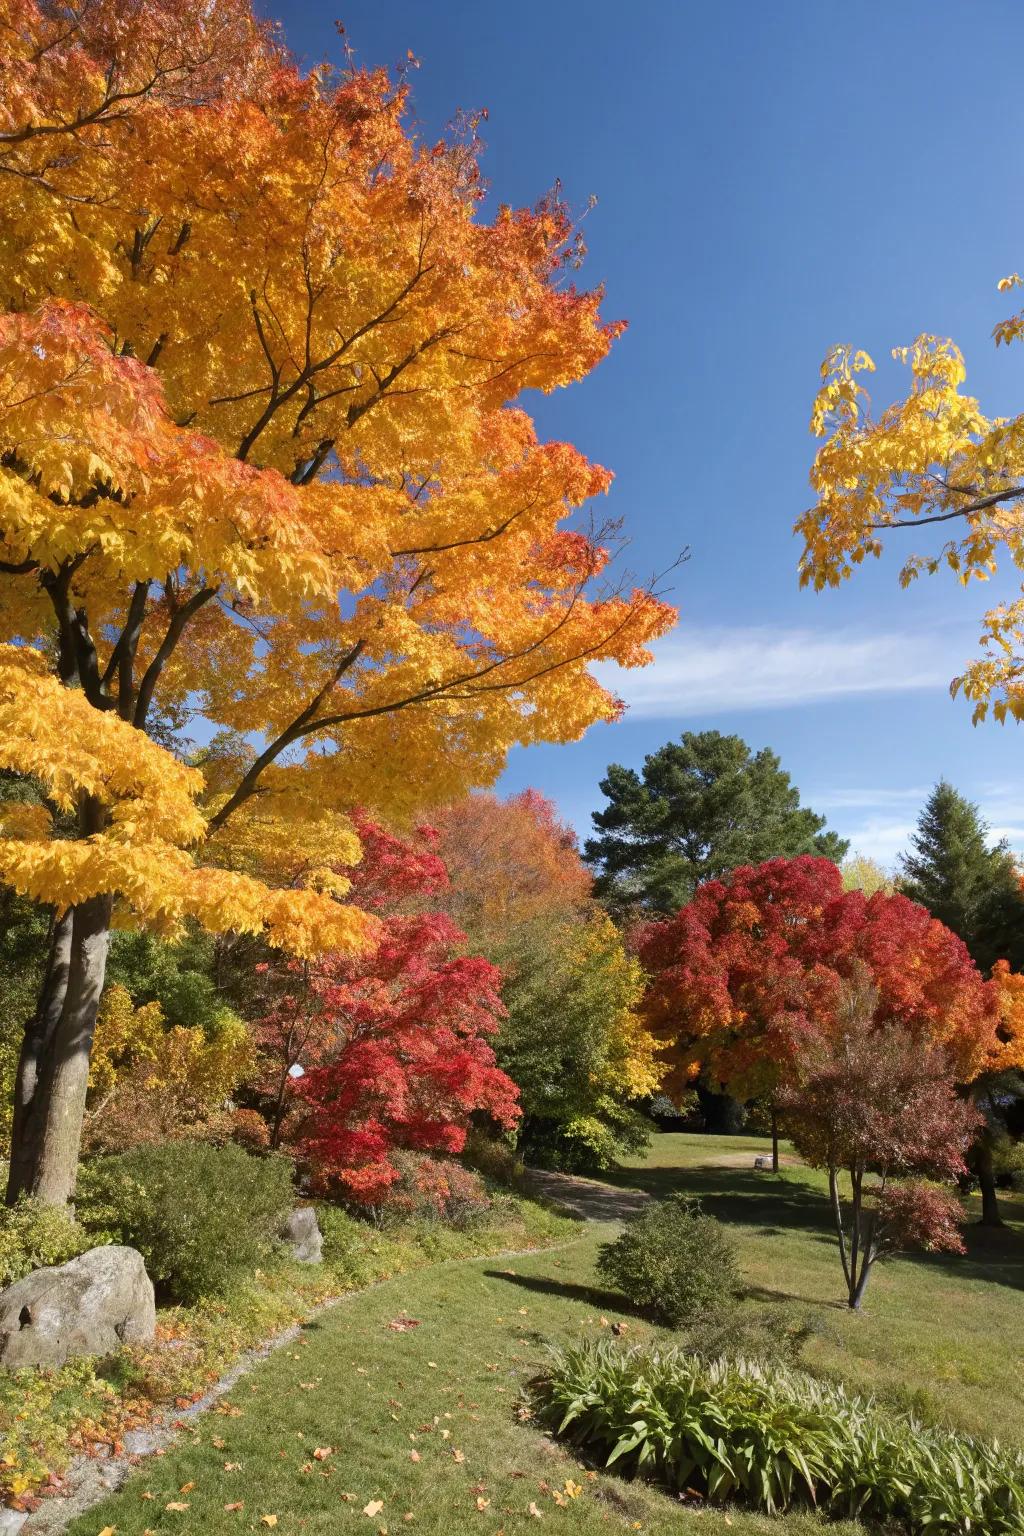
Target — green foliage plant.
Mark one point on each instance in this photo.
(775, 1437)
(33, 1236)
(200, 1215)
(673, 1261)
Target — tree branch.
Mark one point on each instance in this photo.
(175, 629)
(293, 732)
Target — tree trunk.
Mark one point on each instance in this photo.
(65, 1079)
(775, 1139)
(36, 1059)
(990, 1216)
(857, 1293)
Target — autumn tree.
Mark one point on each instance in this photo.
(511, 863)
(572, 1039)
(975, 890)
(260, 463)
(861, 873)
(153, 1080)
(390, 1049)
(932, 461)
(874, 1104)
(757, 966)
(287, 998)
(699, 807)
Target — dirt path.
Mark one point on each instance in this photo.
(587, 1198)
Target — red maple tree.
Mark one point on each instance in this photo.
(754, 969)
(388, 1049)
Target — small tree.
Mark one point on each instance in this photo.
(878, 1105)
(572, 1040)
(393, 1044)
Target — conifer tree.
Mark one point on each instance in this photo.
(701, 806)
(972, 888)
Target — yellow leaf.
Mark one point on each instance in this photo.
(373, 1508)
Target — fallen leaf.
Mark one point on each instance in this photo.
(217, 1443)
(186, 1487)
(373, 1508)
(322, 1452)
(146, 1495)
(432, 1364)
(482, 1503)
(232, 1507)
(108, 1530)
(403, 1324)
(229, 1466)
(176, 1504)
(268, 1519)
(535, 1512)
(414, 1455)
(458, 1456)
(573, 1489)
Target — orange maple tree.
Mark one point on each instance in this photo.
(260, 465)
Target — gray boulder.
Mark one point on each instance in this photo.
(301, 1234)
(89, 1306)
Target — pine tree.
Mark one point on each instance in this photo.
(701, 806)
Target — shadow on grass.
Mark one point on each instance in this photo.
(736, 1195)
(568, 1290)
(994, 1254)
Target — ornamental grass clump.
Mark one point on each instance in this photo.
(773, 1437)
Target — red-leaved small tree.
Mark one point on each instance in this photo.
(394, 1044)
(872, 1101)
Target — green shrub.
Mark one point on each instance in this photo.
(33, 1236)
(199, 1215)
(493, 1157)
(773, 1436)
(673, 1261)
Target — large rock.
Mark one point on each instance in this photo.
(90, 1306)
(301, 1234)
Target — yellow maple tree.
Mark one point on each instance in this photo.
(261, 467)
(931, 460)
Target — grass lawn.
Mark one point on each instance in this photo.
(421, 1423)
(942, 1332)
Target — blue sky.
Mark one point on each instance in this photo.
(771, 179)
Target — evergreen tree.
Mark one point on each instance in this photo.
(700, 807)
(975, 890)
(972, 888)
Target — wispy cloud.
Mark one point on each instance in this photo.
(715, 670)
